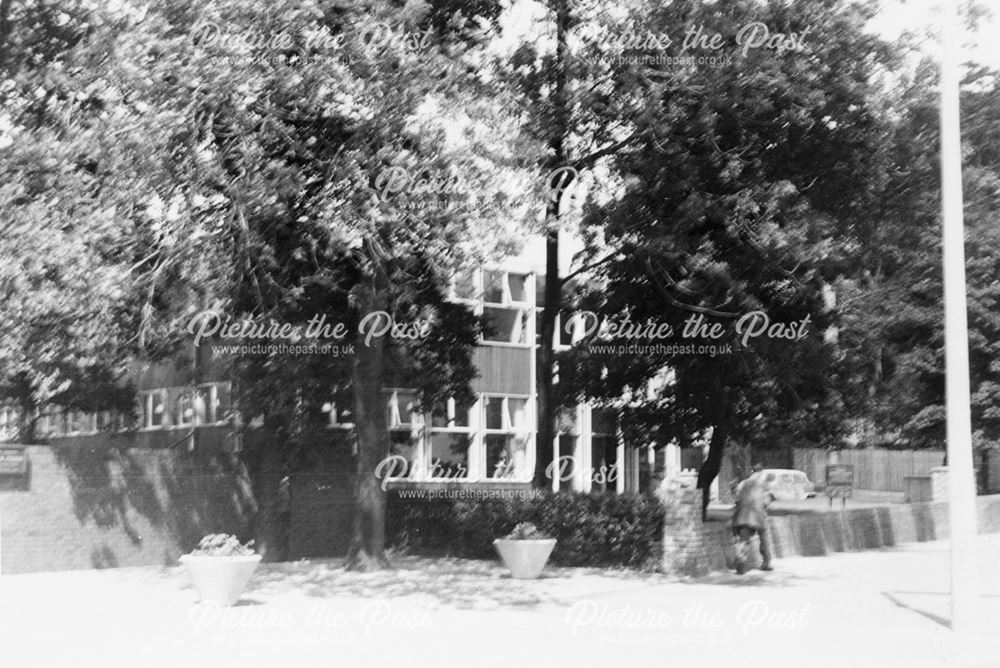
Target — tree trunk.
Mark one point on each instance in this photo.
(546, 362)
(552, 298)
(268, 526)
(710, 468)
(367, 550)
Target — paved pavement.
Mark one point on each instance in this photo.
(885, 608)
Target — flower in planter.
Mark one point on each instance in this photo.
(222, 545)
(527, 531)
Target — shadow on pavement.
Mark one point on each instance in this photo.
(454, 582)
(775, 578)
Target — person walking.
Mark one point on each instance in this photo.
(750, 517)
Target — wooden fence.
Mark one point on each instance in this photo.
(874, 469)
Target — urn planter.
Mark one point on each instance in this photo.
(218, 579)
(525, 558)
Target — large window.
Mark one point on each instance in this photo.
(505, 307)
(506, 435)
(450, 440)
(503, 299)
(151, 408)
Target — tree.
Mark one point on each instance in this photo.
(286, 162)
(68, 326)
(581, 106)
(319, 161)
(894, 329)
(743, 197)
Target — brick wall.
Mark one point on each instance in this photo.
(97, 506)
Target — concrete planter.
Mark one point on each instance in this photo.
(525, 558)
(220, 580)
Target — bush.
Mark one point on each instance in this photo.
(591, 529)
(221, 545)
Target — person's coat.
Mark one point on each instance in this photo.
(752, 499)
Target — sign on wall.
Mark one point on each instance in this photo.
(13, 460)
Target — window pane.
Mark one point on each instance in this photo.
(465, 285)
(407, 401)
(401, 444)
(602, 421)
(182, 409)
(499, 456)
(604, 453)
(390, 407)
(566, 421)
(449, 455)
(462, 412)
(439, 416)
(504, 325)
(505, 456)
(518, 413)
(494, 412)
(518, 285)
(156, 414)
(203, 405)
(222, 402)
(493, 287)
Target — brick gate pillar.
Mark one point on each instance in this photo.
(690, 547)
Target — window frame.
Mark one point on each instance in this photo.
(508, 429)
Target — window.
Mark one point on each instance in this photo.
(8, 423)
(505, 325)
(493, 287)
(464, 285)
(506, 436)
(401, 421)
(450, 440)
(517, 288)
(340, 414)
(503, 299)
(184, 409)
(603, 450)
(400, 407)
(151, 406)
(565, 468)
(221, 403)
(449, 455)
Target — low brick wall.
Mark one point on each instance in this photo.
(96, 506)
(694, 548)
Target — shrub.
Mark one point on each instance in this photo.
(222, 545)
(591, 529)
(526, 531)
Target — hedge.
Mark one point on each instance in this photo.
(592, 529)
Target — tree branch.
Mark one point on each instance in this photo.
(589, 160)
(563, 280)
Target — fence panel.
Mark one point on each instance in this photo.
(874, 469)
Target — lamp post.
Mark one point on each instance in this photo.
(961, 482)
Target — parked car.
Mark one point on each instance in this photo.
(788, 484)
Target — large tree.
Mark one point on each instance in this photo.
(565, 66)
(275, 162)
(893, 328)
(756, 169)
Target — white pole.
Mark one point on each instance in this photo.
(961, 483)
